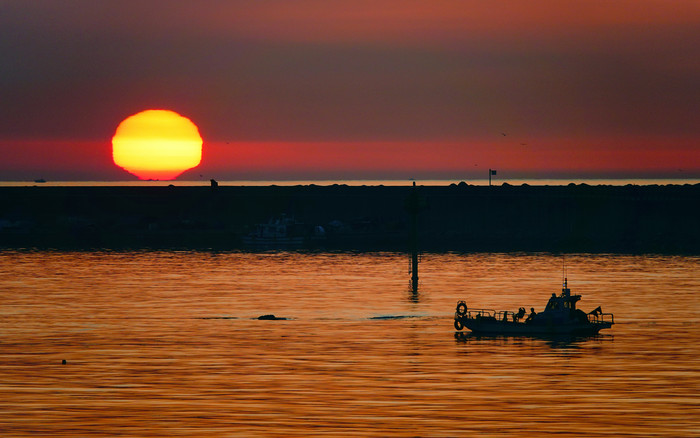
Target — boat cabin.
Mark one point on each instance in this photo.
(562, 308)
(563, 301)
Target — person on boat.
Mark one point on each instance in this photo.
(532, 314)
(552, 301)
(519, 315)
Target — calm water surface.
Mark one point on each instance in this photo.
(167, 344)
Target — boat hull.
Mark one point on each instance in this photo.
(494, 327)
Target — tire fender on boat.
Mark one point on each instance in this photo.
(461, 308)
(458, 324)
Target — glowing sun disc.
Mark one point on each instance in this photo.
(157, 144)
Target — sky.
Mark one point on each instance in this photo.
(375, 89)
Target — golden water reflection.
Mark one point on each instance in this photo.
(167, 344)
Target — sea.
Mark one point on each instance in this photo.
(168, 344)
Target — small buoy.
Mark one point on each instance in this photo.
(63, 362)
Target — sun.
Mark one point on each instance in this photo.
(157, 144)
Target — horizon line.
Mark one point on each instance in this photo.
(355, 182)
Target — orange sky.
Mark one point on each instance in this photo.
(363, 89)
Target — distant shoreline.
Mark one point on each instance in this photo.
(362, 182)
(457, 217)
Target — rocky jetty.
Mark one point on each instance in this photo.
(459, 217)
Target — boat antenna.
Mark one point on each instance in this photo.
(565, 287)
(563, 269)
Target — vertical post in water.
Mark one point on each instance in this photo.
(414, 205)
(414, 249)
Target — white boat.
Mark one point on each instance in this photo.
(277, 232)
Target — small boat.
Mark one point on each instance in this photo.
(560, 316)
(282, 232)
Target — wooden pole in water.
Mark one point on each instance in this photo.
(414, 205)
(414, 251)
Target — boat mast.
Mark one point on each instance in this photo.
(565, 288)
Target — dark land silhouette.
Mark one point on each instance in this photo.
(459, 217)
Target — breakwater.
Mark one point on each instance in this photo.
(459, 217)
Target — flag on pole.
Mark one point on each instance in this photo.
(493, 172)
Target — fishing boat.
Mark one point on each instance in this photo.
(560, 316)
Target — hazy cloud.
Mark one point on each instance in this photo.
(348, 71)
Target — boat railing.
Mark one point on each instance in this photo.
(505, 315)
(601, 317)
(480, 313)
